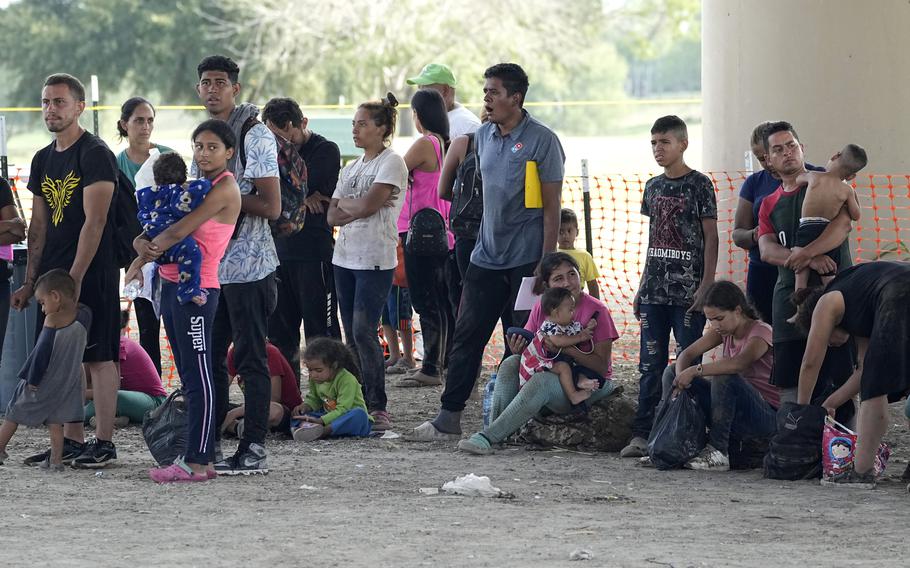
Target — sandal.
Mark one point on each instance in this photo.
(399, 368)
(477, 444)
(426, 432)
(418, 379)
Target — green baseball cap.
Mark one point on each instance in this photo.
(432, 74)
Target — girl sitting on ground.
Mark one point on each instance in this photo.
(735, 391)
(334, 405)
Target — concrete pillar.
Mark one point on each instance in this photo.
(839, 70)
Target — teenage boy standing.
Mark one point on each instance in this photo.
(247, 271)
(679, 266)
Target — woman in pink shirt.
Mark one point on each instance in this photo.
(734, 391)
(189, 326)
(428, 286)
(512, 407)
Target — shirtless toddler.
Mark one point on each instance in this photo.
(827, 193)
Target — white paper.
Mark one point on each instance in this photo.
(526, 296)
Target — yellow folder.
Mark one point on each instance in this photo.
(533, 196)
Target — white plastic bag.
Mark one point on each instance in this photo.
(472, 486)
(145, 177)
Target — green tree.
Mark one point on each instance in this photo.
(151, 47)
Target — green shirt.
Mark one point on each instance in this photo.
(335, 397)
(130, 167)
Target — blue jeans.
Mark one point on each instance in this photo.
(656, 323)
(354, 422)
(189, 331)
(731, 405)
(361, 296)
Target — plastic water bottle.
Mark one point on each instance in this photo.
(488, 399)
(132, 289)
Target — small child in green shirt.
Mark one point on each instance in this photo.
(334, 405)
(568, 232)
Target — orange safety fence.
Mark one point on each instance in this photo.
(620, 238)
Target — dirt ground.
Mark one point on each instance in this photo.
(357, 503)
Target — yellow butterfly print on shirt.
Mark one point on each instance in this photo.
(58, 194)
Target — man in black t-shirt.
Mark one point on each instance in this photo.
(306, 284)
(73, 180)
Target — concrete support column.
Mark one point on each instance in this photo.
(839, 70)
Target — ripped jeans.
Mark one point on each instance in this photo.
(732, 407)
(656, 323)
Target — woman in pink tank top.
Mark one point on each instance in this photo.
(189, 326)
(428, 283)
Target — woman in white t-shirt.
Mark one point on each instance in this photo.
(735, 392)
(366, 205)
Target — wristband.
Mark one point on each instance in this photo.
(699, 369)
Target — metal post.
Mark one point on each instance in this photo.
(4, 164)
(95, 99)
(586, 199)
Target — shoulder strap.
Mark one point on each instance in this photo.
(244, 130)
(476, 163)
(221, 176)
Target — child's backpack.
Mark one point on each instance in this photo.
(467, 195)
(292, 176)
(427, 234)
(795, 451)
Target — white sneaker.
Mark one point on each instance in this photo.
(709, 459)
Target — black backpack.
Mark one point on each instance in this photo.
(467, 195)
(427, 234)
(124, 215)
(795, 451)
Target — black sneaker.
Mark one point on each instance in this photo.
(250, 459)
(71, 450)
(850, 478)
(97, 454)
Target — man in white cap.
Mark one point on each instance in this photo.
(440, 78)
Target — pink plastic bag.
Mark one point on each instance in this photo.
(839, 447)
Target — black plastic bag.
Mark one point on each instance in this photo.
(164, 429)
(795, 451)
(678, 434)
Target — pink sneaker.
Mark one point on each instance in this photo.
(177, 472)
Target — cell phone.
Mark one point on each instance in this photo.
(520, 331)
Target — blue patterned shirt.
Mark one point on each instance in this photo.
(252, 256)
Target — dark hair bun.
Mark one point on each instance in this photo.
(390, 100)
